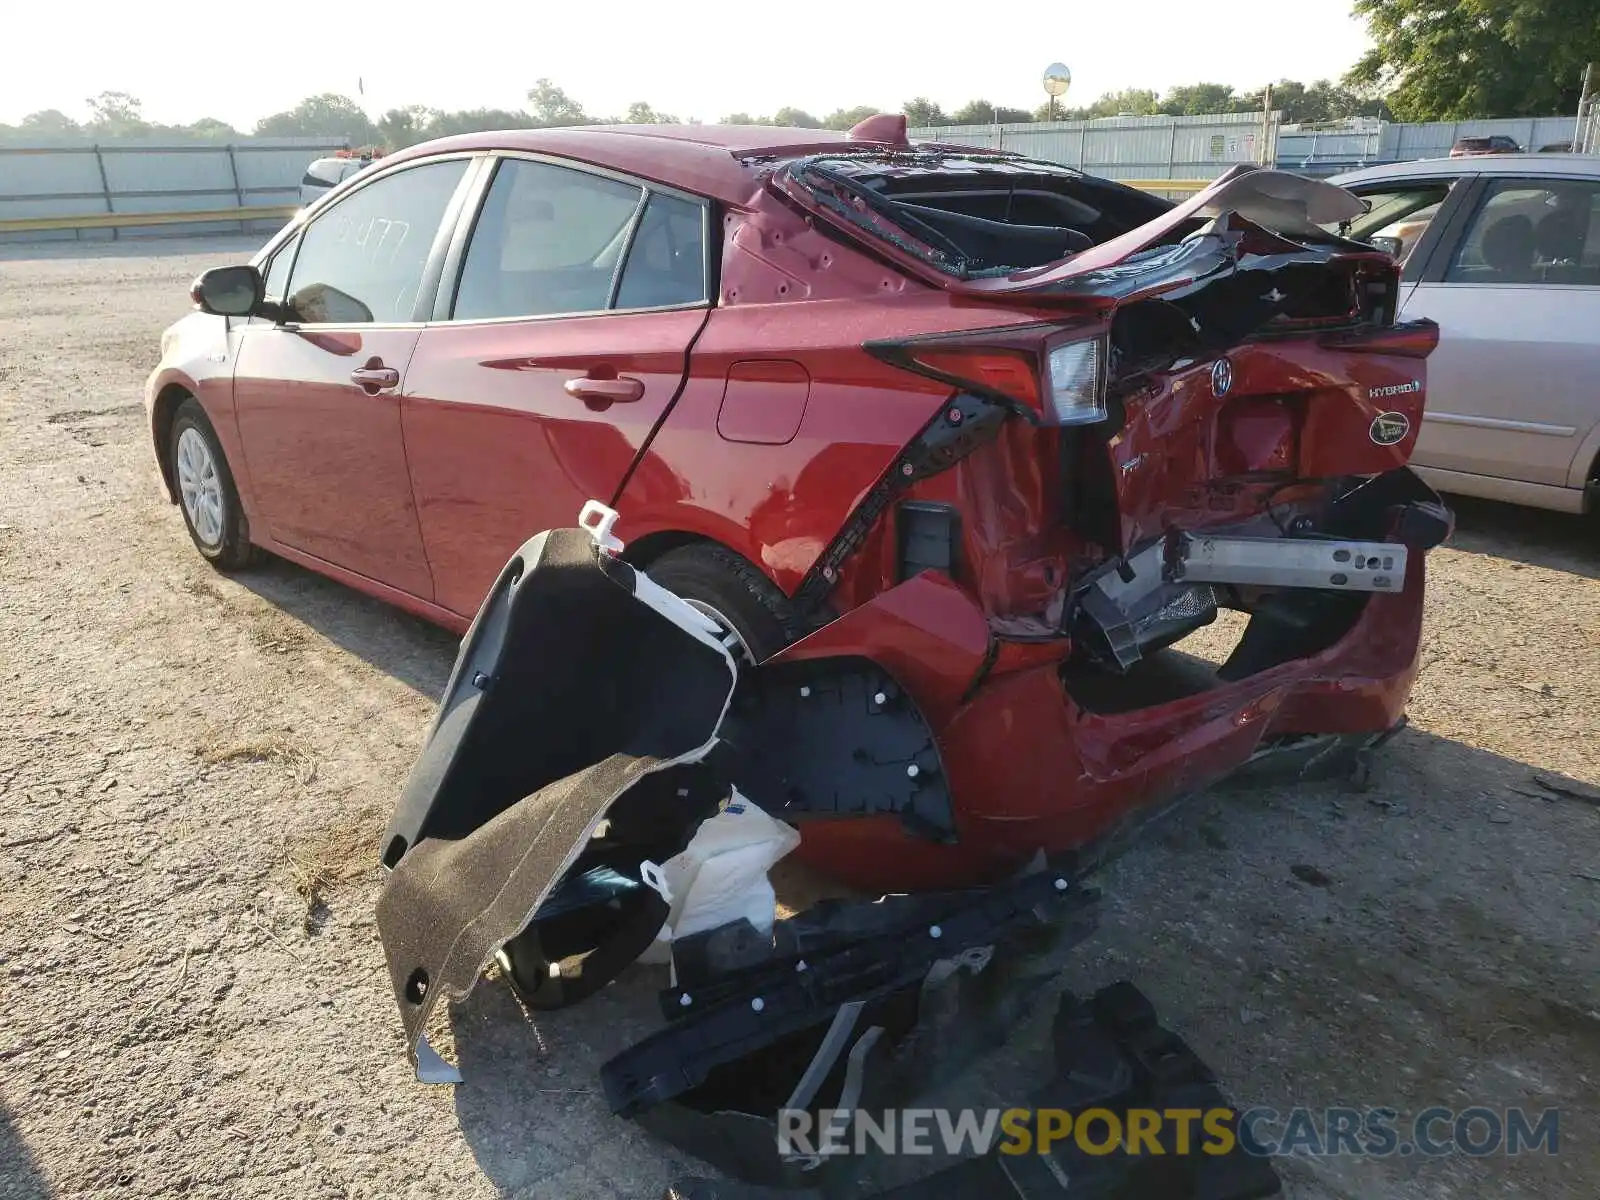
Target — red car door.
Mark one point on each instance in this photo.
(564, 341)
(317, 396)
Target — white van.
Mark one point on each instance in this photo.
(326, 173)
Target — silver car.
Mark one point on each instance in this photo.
(1503, 251)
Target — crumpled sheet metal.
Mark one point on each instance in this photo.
(514, 780)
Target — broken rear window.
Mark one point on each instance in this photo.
(970, 215)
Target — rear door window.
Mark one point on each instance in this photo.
(362, 260)
(1532, 231)
(667, 262)
(549, 240)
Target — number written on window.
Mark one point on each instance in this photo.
(362, 261)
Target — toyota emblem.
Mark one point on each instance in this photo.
(1221, 377)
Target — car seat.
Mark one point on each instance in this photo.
(1508, 249)
(1559, 237)
(666, 264)
(492, 286)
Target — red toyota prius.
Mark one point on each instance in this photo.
(1002, 428)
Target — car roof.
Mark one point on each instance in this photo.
(1585, 166)
(710, 160)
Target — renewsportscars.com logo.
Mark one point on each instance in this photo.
(1259, 1132)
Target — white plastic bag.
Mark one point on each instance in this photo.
(721, 875)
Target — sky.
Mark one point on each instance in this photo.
(187, 59)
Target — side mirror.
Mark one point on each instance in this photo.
(229, 291)
(1392, 246)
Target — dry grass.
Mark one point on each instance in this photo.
(336, 855)
(202, 587)
(274, 747)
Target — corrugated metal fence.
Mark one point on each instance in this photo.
(1142, 148)
(75, 179)
(1353, 144)
(1151, 148)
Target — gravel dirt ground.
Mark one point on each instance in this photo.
(193, 771)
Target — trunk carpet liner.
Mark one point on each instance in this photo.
(514, 780)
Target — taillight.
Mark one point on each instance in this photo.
(1076, 394)
(1059, 377)
(1014, 374)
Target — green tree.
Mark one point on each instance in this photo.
(847, 118)
(1136, 102)
(1323, 100)
(552, 106)
(49, 122)
(920, 111)
(116, 114)
(211, 129)
(981, 112)
(1201, 99)
(1434, 60)
(402, 127)
(744, 118)
(328, 115)
(640, 113)
(797, 118)
(477, 120)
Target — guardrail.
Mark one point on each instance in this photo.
(268, 212)
(1186, 186)
(264, 212)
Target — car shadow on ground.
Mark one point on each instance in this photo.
(19, 1174)
(1540, 538)
(409, 649)
(1447, 895)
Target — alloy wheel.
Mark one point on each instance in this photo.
(200, 486)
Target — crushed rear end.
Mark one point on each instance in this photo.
(1209, 409)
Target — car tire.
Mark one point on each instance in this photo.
(733, 591)
(206, 493)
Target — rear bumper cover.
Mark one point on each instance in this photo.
(1028, 768)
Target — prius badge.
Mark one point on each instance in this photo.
(1389, 428)
(1221, 378)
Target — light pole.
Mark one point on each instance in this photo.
(1057, 79)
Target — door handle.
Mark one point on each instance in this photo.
(601, 393)
(374, 379)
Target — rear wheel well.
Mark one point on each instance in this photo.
(646, 550)
(166, 408)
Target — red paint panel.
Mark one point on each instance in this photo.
(763, 401)
(327, 464)
(780, 505)
(500, 449)
(926, 632)
(1296, 407)
(1029, 769)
